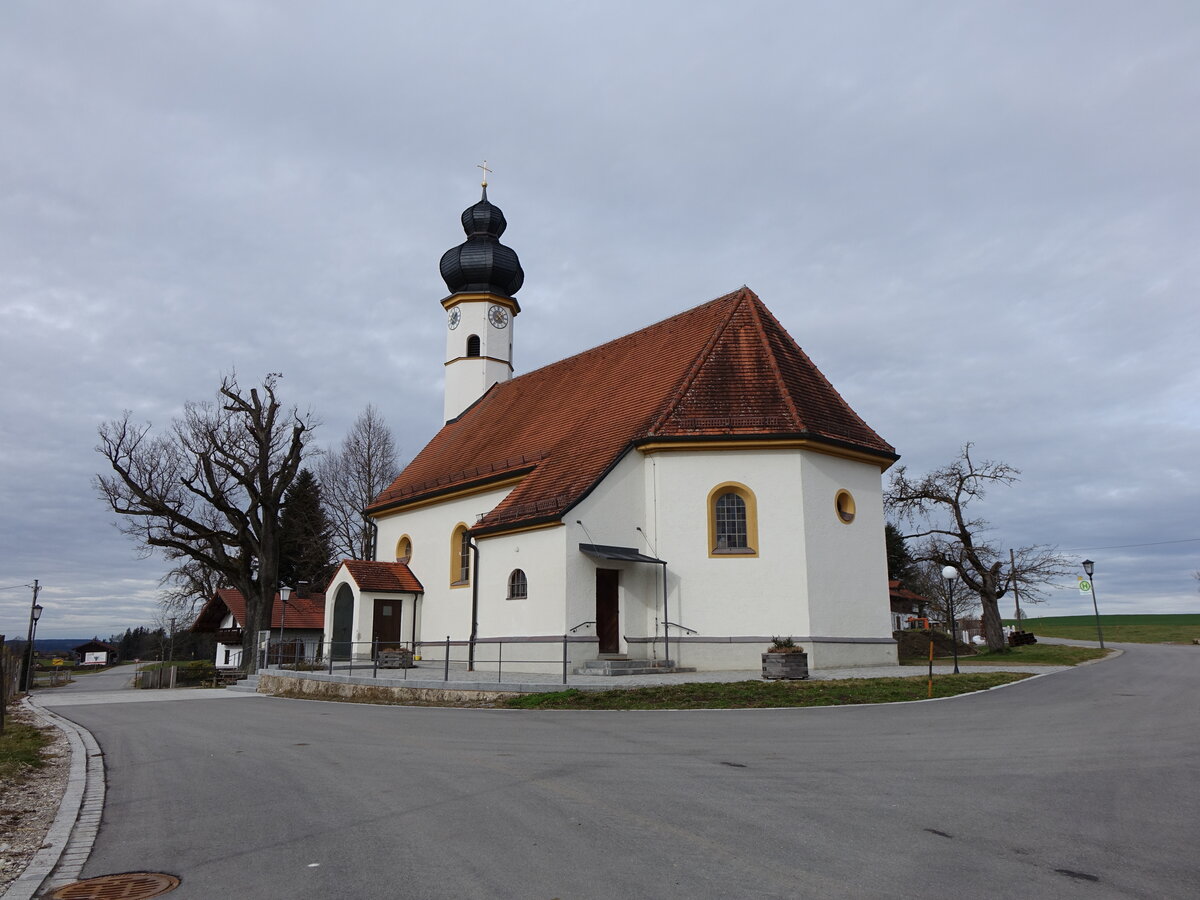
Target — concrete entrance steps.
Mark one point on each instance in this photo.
(626, 666)
(248, 685)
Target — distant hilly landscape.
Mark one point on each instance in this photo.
(52, 645)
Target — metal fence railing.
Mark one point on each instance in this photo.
(447, 660)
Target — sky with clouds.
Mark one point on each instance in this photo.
(980, 220)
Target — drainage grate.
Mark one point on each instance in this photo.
(128, 886)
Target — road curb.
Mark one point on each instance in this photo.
(73, 832)
(1113, 653)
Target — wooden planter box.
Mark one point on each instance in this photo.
(784, 666)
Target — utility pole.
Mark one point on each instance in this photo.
(1012, 562)
(3, 683)
(34, 609)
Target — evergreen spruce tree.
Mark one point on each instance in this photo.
(305, 550)
(899, 563)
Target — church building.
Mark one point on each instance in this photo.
(679, 495)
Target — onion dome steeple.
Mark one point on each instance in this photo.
(482, 264)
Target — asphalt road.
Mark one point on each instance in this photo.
(1080, 784)
(83, 681)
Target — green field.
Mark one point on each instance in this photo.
(1180, 628)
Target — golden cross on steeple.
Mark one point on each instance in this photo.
(486, 170)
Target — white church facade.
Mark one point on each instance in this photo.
(681, 494)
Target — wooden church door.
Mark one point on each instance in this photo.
(608, 621)
(387, 622)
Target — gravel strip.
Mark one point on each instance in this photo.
(29, 804)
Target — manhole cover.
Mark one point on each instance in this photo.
(128, 886)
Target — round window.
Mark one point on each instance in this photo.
(844, 502)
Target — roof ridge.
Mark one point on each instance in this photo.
(697, 365)
(780, 382)
(622, 337)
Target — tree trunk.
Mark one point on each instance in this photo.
(250, 629)
(993, 628)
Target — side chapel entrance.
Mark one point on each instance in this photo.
(608, 622)
(343, 623)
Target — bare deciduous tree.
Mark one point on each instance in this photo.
(188, 587)
(211, 489)
(938, 505)
(943, 595)
(354, 475)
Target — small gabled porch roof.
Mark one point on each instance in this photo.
(381, 577)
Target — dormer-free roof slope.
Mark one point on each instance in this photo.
(725, 370)
(383, 577)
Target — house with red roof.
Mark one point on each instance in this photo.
(676, 496)
(302, 620)
(909, 609)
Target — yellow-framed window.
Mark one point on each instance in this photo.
(732, 520)
(460, 556)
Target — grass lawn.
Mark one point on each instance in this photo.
(757, 694)
(20, 748)
(1028, 655)
(1134, 629)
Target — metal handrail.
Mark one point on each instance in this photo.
(681, 627)
(580, 625)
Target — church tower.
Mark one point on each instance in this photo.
(482, 275)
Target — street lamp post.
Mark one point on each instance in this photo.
(950, 573)
(1089, 567)
(284, 593)
(35, 613)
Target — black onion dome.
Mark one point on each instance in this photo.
(481, 263)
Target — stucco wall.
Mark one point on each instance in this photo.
(468, 378)
(444, 609)
(731, 594)
(847, 562)
(610, 515)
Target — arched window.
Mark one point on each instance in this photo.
(732, 521)
(518, 585)
(473, 345)
(460, 556)
(404, 549)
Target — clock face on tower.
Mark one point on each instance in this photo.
(455, 317)
(498, 316)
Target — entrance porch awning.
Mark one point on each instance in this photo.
(621, 554)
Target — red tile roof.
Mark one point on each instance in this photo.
(724, 370)
(302, 612)
(899, 593)
(383, 577)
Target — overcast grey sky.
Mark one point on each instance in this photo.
(979, 219)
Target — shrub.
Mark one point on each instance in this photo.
(196, 672)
